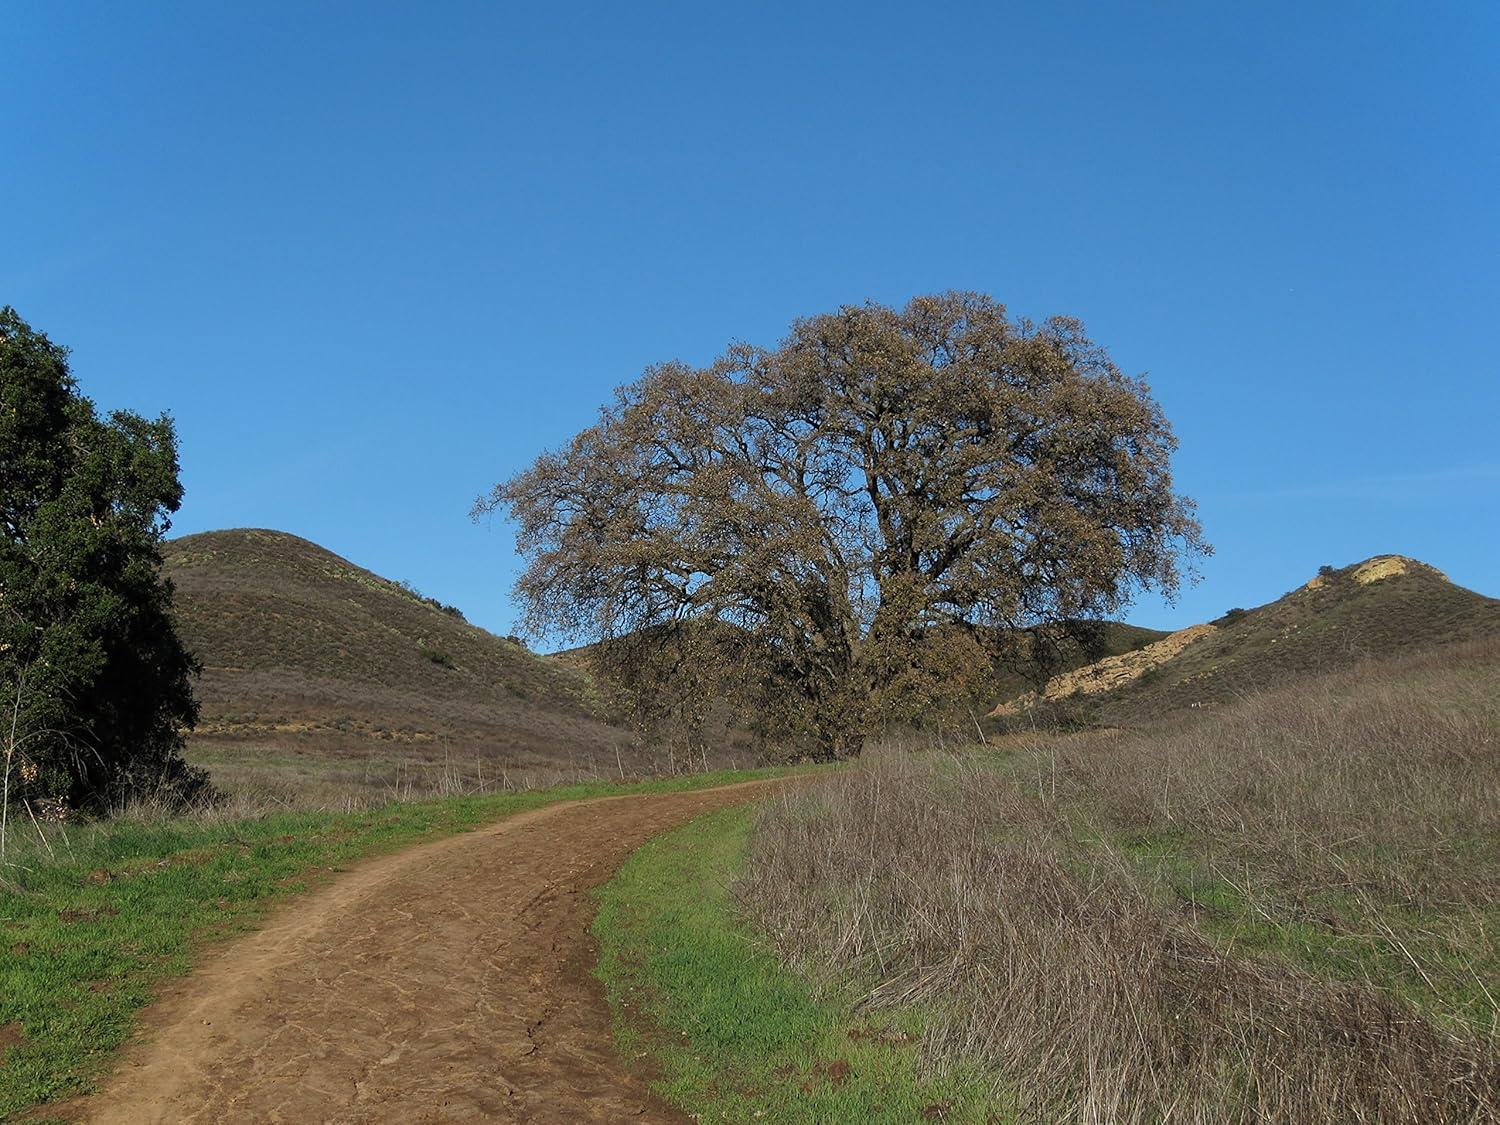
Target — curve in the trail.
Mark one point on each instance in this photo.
(450, 982)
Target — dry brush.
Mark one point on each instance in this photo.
(1029, 905)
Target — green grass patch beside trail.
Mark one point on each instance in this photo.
(87, 933)
(725, 1032)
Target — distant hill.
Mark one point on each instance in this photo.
(306, 654)
(304, 651)
(1380, 607)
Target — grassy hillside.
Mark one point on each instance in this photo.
(1252, 913)
(313, 664)
(1382, 607)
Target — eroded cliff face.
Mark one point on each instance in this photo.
(1110, 673)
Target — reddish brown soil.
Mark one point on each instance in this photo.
(446, 983)
(10, 1036)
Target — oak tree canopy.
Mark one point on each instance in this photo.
(844, 524)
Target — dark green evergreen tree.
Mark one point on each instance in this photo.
(94, 681)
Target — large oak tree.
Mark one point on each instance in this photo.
(855, 515)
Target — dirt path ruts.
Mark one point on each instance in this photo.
(449, 982)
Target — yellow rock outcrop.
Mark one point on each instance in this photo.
(1111, 672)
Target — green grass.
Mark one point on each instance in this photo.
(87, 935)
(723, 1030)
(1435, 958)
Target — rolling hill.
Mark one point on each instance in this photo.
(307, 655)
(315, 665)
(1383, 606)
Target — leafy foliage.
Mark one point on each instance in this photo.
(96, 682)
(870, 505)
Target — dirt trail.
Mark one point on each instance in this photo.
(449, 982)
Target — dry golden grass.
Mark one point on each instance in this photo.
(322, 674)
(1284, 910)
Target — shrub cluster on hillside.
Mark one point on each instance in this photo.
(411, 591)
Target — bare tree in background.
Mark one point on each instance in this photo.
(859, 512)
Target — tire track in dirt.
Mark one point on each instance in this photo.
(450, 982)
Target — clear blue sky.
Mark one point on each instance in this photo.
(376, 257)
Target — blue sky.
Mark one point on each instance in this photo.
(374, 258)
